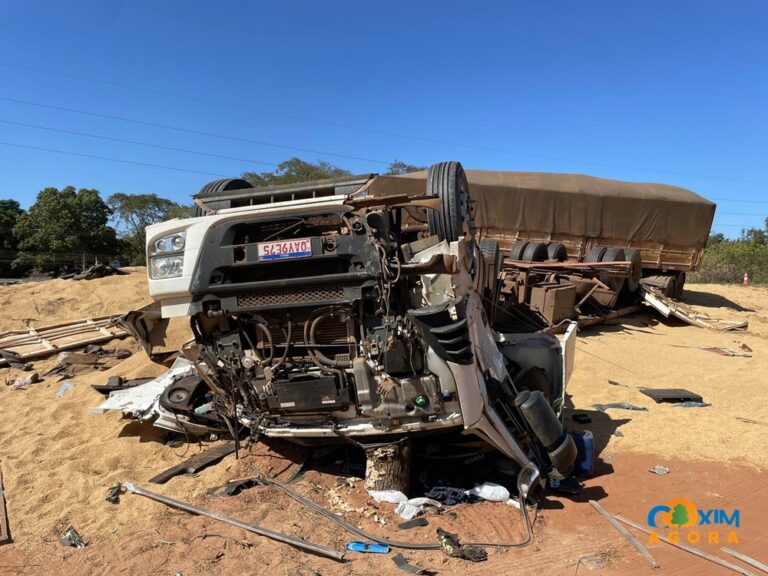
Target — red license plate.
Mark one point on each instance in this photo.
(285, 249)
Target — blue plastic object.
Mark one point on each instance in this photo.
(585, 458)
(369, 547)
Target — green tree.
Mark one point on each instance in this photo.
(397, 167)
(63, 226)
(295, 170)
(9, 214)
(133, 213)
(679, 516)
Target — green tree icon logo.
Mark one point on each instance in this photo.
(679, 516)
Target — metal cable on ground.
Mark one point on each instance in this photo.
(352, 529)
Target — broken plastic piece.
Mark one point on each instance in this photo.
(72, 538)
(659, 470)
(368, 547)
(403, 564)
(490, 491)
(619, 405)
(415, 522)
(64, 388)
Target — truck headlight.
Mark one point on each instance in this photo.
(169, 244)
(166, 266)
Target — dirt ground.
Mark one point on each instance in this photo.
(58, 460)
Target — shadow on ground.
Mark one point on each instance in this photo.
(710, 300)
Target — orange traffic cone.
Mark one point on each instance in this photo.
(746, 279)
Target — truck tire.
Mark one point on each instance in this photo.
(535, 252)
(517, 250)
(613, 254)
(557, 252)
(492, 256)
(634, 256)
(679, 284)
(595, 254)
(448, 182)
(216, 187)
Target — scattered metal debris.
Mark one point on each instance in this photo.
(659, 470)
(49, 340)
(691, 404)
(368, 547)
(95, 271)
(301, 544)
(403, 564)
(750, 421)
(746, 559)
(624, 532)
(614, 383)
(690, 549)
(745, 347)
(725, 351)
(5, 528)
(671, 395)
(666, 306)
(195, 463)
(453, 547)
(119, 383)
(233, 487)
(618, 433)
(619, 406)
(72, 538)
(113, 494)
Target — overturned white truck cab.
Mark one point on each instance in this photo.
(362, 317)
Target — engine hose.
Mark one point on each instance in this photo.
(310, 327)
(268, 334)
(352, 529)
(287, 346)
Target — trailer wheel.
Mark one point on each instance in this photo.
(556, 251)
(218, 186)
(535, 252)
(613, 255)
(517, 250)
(679, 284)
(634, 256)
(595, 254)
(492, 256)
(448, 181)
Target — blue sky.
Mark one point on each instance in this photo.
(659, 91)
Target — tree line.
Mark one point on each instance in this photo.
(67, 229)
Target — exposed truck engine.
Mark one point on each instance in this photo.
(328, 319)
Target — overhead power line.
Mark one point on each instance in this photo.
(413, 137)
(137, 143)
(191, 130)
(107, 158)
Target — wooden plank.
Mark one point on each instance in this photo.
(5, 529)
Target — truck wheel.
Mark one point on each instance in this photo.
(613, 255)
(669, 287)
(448, 181)
(556, 251)
(535, 252)
(595, 254)
(679, 284)
(634, 256)
(517, 250)
(492, 256)
(216, 187)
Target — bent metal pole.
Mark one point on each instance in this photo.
(314, 548)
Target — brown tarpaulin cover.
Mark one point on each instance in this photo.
(578, 205)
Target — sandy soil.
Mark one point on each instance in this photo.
(58, 460)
